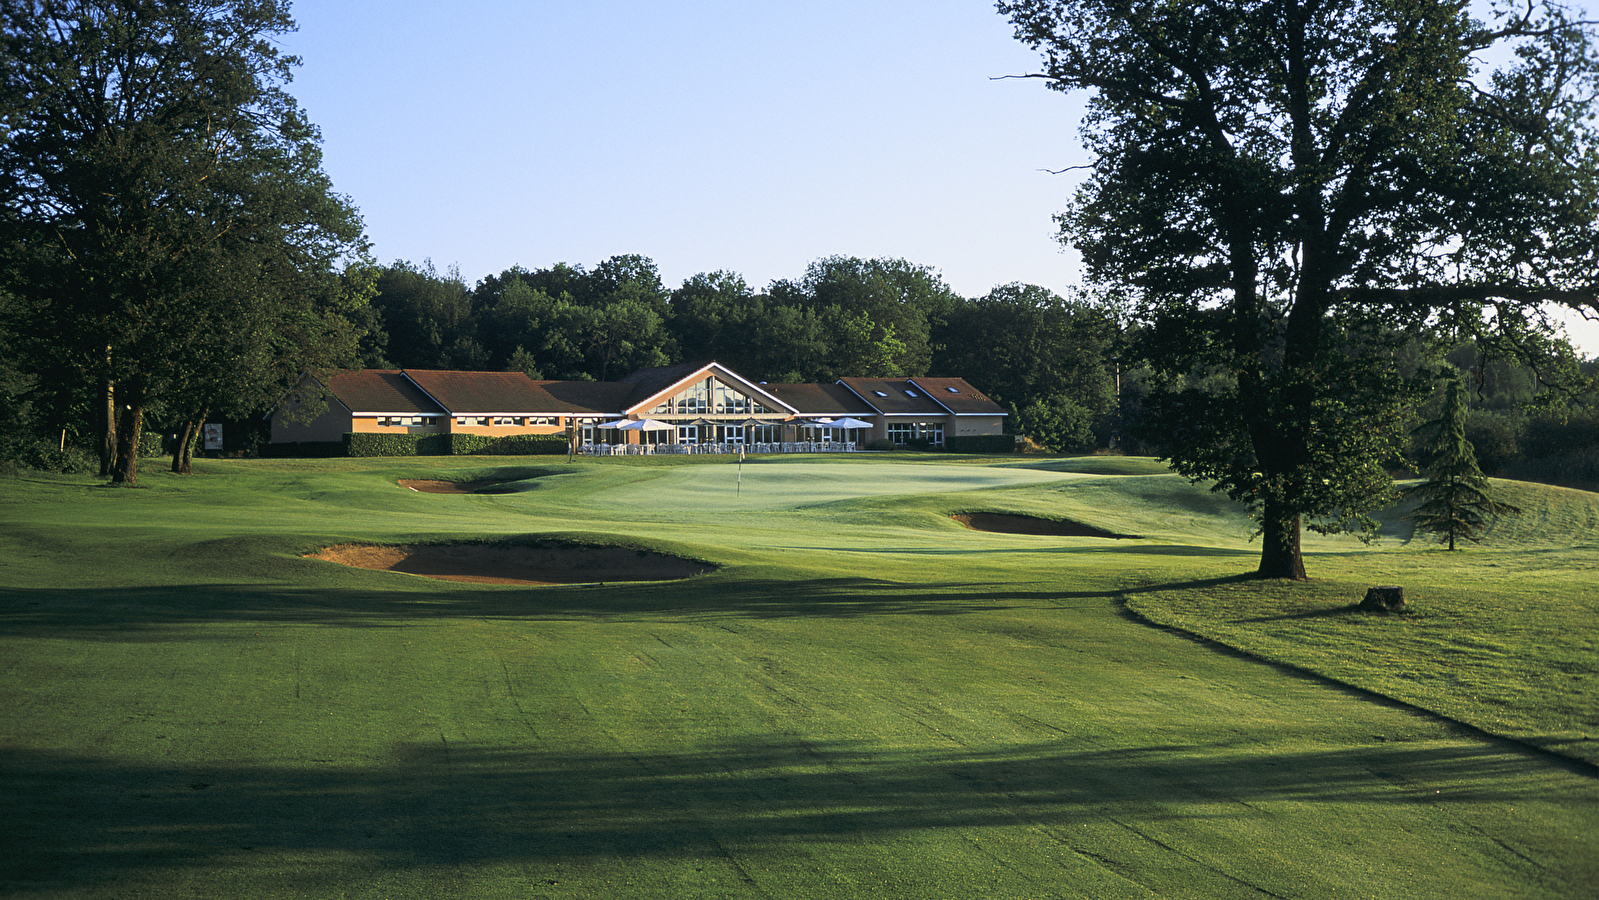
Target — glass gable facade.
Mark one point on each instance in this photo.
(710, 397)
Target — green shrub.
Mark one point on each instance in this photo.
(361, 443)
(509, 445)
(369, 444)
(151, 443)
(1059, 423)
(880, 444)
(46, 456)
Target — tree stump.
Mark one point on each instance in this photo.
(1384, 599)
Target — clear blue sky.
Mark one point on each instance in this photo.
(749, 135)
(704, 134)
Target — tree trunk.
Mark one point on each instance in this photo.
(188, 435)
(130, 425)
(180, 457)
(1279, 553)
(108, 428)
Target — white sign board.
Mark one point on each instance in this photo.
(213, 435)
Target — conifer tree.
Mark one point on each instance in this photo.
(1454, 499)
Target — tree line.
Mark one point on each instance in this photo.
(1049, 358)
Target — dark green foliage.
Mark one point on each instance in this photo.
(369, 444)
(425, 316)
(509, 445)
(1060, 424)
(1454, 501)
(1285, 190)
(1496, 437)
(1563, 450)
(876, 316)
(1023, 343)
(168, 223)
(45, 456)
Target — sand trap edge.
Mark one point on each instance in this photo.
(516, 564)
(1011, 523)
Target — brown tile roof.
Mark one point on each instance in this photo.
(606, 398)
(887, 396)
(819, 399)
(414, 391)
(381, 391)
(480, 392)
(960, 397)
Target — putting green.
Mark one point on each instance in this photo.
(866, 700)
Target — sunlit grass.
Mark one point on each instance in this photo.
(865, 699)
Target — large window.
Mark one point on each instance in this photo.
(710, 397)
(904, 432)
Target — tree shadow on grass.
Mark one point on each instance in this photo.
(78, 822)
(1080, 546)
(161, 612)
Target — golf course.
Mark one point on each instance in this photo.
(791, 677)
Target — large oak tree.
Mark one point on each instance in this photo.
(1284, 186)
(165, 211)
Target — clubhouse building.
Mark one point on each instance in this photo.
(686, 407)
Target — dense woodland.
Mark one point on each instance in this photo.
(1051, 360)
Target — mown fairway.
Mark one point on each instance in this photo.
(867, 700)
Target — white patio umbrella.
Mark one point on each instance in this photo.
(646, 425)
(849, 422)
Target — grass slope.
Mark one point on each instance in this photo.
(867, 700)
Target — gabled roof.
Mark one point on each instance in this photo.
(652, 386)
(381, 392)
(922, 396)
(894, 396)
(960, 398)
(820, 399)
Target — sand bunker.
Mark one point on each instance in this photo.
(502, 564)
(457, 487)
(1005, 523)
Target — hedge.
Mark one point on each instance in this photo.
(510, 445)
(362, 443)
(371, 444)
(980, 443)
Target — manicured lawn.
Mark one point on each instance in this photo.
(866, 700)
